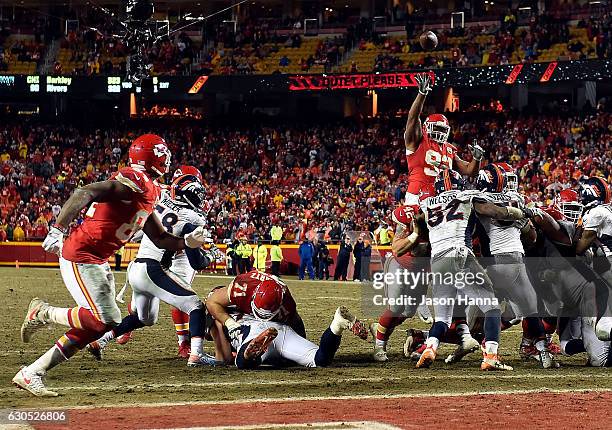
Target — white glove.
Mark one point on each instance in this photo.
(197, 238)
(233, 330)
(54, 241)
(423, 81)
(477, 151)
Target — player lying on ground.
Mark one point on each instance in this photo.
(257, 294)
(577, 335)
(118, 208)
(158, 274)
(277, 344)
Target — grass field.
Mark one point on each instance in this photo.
(147, 371)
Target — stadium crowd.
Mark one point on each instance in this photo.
(313, 181)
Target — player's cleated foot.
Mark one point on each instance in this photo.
(554, 348)
(34, 319)
(492, 362)
(204, 360)
(529, 352)
(258, 346)
(345, 320)
(184, 349)
(32, 382)
(380, 354)
(464, 348)
(125, 338)
(415, 339)
(427, 358)
(548, 360)
(425, 314)
(95, 349)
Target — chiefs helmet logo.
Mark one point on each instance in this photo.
(160, 150)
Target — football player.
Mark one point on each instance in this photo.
(263, 341)
(597, 227)
(427, 147)
(117, 208)
(255, 293)
(450, 217)
(507, 269)
(577, 335)
(157, 274)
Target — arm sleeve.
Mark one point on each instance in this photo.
(198, 259)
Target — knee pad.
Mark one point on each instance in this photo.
(149, 320)
(603, 328)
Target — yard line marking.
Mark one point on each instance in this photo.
(349, 425)
(307, 382)
(542, 390)
(354, 299)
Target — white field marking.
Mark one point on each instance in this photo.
(348, 425)
(359, 397)
(16, 427)
(354, 299)
(309, 382)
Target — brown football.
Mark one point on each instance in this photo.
(428, 40)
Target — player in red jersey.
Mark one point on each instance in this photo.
(408, 245)
(117, 208)
(255, 293)
(427, 147)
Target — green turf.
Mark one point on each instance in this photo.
(146, 370)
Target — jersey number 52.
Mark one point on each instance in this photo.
(436, 214)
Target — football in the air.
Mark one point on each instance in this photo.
(428, 40)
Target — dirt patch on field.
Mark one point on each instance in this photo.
(583, 410)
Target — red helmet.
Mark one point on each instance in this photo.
(267, 299)
(150, 152)
(567, 203)
(188, 170)
(436, 128)
(403, 215)
(511, 176)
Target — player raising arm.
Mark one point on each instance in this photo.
(118, 208)
(427, 147)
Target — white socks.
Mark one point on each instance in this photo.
(491, 347)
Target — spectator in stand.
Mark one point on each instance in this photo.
(306, 253)
(358, 253)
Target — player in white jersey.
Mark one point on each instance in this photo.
(450, 218)
(595, 228)
(577, 335)
(507, 268)
(157, 275)
(277, 344)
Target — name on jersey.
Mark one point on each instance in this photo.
(442, 198)
(170, 204)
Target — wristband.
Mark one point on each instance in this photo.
(413, 237)
(60, 228)
(515, 213)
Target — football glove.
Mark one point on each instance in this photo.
(54, 240)
(198, 237)
(423, 81)
(477, 151)
(234, 331)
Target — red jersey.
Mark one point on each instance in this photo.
(108, 226)
(421, 170)
(241, 289)
(403, 216)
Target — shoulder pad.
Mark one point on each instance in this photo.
(134, 179)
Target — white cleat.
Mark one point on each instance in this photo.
(425, 314)
(463, 349)
(547, 360)
(345, 320)
(33, 320)
(380, 354)
(204, 360)
(32, 382)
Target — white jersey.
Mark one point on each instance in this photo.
(504, 236)
(450, 219)
(174, 218)
(599, 220)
